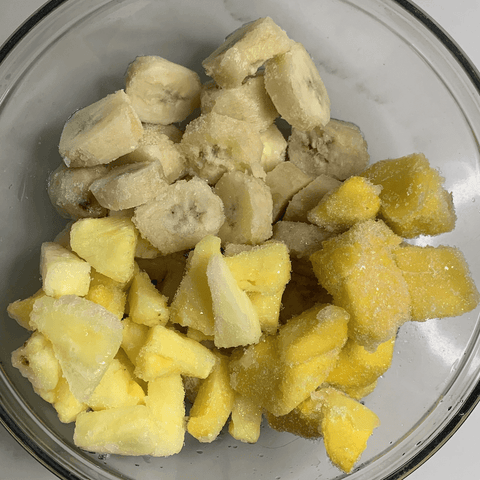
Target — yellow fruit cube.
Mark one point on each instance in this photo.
(63, 272)
(108, 244)
(65, 403)
(20, 310)
(108, 293)
(134, 337)
(355, 200)
(146, 304)
(268, 308)
(246, 420)
(438, 280)
(213, 403)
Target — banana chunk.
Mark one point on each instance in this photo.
(245, 50)
(274, 148)
(249, 102)
(129, 186)
(248, 208)
(69, 191)
(162, 91)
(180, 216)
(297, 90)
(338, 150)
(101, 132)
(214, 144)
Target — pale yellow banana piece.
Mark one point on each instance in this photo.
(101, 132)
(338, 150)
(162, 91)
(274, 148)
(245, 50)
(297, 90)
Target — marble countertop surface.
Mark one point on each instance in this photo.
(459, 457)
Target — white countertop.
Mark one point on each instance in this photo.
(460, 457)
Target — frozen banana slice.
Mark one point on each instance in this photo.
(214, 144)
(245, 50)
(297, 90)
(129, 186)
(180, 216)
(274, 148)
(248, 208)
(249, 102)
(101, 132)
(338, 150)
(162, 91)
(69, 191)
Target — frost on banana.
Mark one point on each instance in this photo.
(129, 186)
(245, 50)
(214, 144)
(297, 90)
(248, 209)
(162, 91)
(101, 132)
(338, 150)
(69, 191)
(180, 216)
(274, 148)
(249, 102)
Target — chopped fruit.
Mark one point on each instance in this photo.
(133, 338)
(20, 310)
(245, 421)
(108, 293)
(274, 148)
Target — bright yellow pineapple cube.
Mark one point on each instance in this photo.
(66, 405)
(192, 305)
(134, 337)
(438, 280)
(63, 272)
(346, 426)
(245, 420)
(20, 310)
(108, 293)
(147, 305)
(355, 200)
(213, 403)
(267, 306)
(108, 244)
(414, 200)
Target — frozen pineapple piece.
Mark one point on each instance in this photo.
(146, 304)
(134, 336)
(438, 280)
(214, 144)
(346, 426)
(274, 148)
(357, 393)
(267, 306)
(192, 304)
(264, 268)
(107, 244)
(20, 310)
(85, 338)
(308, 198)
(358, 368)
(246, 420)
(248, 208)
(108, 293)
(116, 389)
(338, 150)
(359, 271)
(213, 403)
(284, 181)
(355, 200)
(63, 272)
(67, 406)
(165, 400)
(245, 50)
(182, 355)
(235, 319)
(414, 200)
(248, 102)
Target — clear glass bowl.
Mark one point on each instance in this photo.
(387, 67)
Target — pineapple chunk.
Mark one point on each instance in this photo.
(246, 420)
(20, 310)
(85, 338)
(63, 272)
(438, 280)
(108, 293)
(268, 308)
(133, 338)
(180, 354)
(107, 244)
(192, 305)
(66, 405)
(346, 426)
(213, 403)
(146, 304)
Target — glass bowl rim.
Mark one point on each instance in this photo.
(468, 404)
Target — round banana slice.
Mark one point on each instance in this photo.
(162, 91)
(180, 216)
(297, 90)
(338, 150)
(69, 191)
